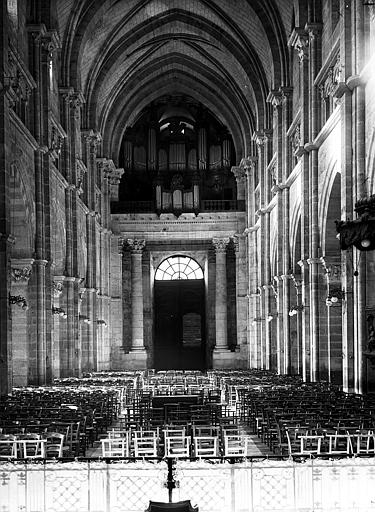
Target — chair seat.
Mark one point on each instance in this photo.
(179, 506)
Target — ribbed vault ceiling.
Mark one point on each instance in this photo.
(123, 54)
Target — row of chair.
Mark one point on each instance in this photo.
(203, 441)
(32, 446)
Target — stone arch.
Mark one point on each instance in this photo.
(330, 199)
(58, 246)
(294, 230)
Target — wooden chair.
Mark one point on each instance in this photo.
(205, 446)
(340, 443)
(8, 446)
(54, 444)
(177, 446)
(145, 444)
(365, 442)
(235, 446)
(114, 448)
(30, 446)
(179, 506)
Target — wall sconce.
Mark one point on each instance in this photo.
(102, 323)
(272, 316)
(19, 300)
(334, 298)
(84, 319)
(294, 310)
(60, 312)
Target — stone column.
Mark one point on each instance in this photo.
(58, 314)
(114, 176)
(6, 238)
(137, 331)
(241, 296)
(253, 333)
(240, 175)
(220, 245)
(300, 41)
(21, 272)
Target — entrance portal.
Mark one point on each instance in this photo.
(179, 315)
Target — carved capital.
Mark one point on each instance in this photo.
(114, 175)
(239, 174)
(299, 40)
(50, 42)
(259, 137)
(333, 270)
(21, 270)
(76, 100)
(136, 245)
(220, 244)
(92, 139)
(57, 286)
(275, 98)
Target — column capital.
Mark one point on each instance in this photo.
(299, 40)
(314, 30)
(332, 268)
(136, 245)
(220, 244)
(313, 261)
(57, 286)
(259, 137)
(21, 270)
(249, 164)
(76, 100)
(92, 138)
(114, 175)
(50, 42)
(302, 263)
(275, 98)
(239, 173)
(286, 92)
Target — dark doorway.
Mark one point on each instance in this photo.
(179, 325)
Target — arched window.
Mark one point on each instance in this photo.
(178, 267)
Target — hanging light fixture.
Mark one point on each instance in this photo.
(360, 232)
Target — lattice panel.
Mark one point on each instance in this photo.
(208, 486)
(338, 486)
(132, 490)
(66, 489)
(346, 485)
(273, 486)
(12, 488)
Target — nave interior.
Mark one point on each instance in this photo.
(175, 427)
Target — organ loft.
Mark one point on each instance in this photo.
(187, 186)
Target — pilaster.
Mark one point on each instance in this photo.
(21, 271)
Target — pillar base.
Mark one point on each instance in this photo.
(136, 359)
(226, 359)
